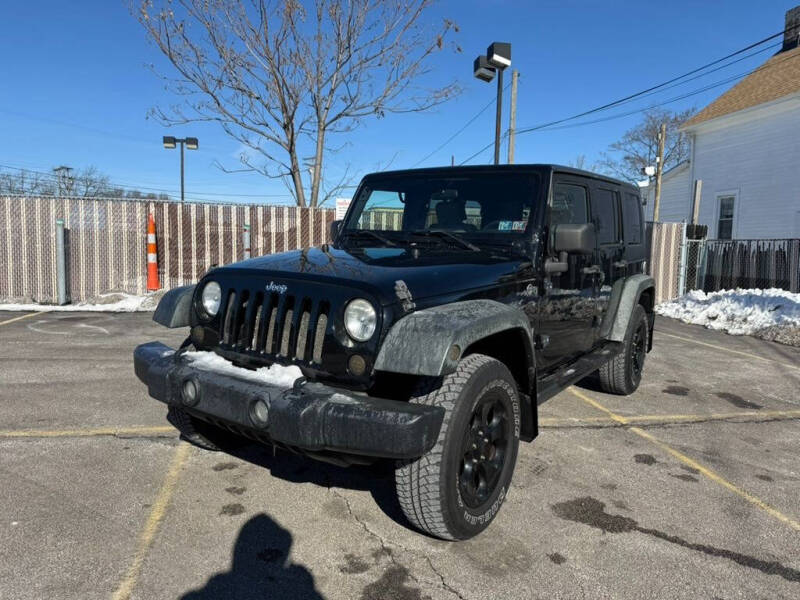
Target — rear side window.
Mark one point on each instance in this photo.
(570, 204)
(632, 219)
(604, 215)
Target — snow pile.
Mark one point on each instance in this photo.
(738, 312)
(276, 375)
(110, 302)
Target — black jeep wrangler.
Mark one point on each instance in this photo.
(452, 302)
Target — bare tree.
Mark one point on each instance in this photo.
(21, 182)
(638, 147)
(90, 183)
(579, 162)
(282, 77)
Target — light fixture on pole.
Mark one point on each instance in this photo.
(497, 58)
(171, 142)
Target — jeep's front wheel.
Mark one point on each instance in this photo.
(454, 491)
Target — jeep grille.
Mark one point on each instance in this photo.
(274, 326)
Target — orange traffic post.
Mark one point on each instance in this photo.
(152, 256)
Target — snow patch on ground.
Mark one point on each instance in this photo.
(738, 312)
(276, 375)
(110, 302)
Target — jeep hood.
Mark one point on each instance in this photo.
(377, 271)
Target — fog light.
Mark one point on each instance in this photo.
(259, 412)
(357, 365)
(190, 394)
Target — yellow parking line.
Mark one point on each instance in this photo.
(713, 476)
(49, 433)
(766, 415)
(717, 347)
(15, 319)
(150, 529)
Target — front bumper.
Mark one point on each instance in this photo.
(308, 416)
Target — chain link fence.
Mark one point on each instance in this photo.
(713, 265)
(105, 242)
(666, 244)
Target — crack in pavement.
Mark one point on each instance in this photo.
(386, 550)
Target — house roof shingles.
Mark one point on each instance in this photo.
(778, 77)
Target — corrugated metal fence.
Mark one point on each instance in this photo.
(106, 241)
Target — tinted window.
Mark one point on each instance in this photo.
(604, 215)
(569, 204)
(632, 219)
(482, 204)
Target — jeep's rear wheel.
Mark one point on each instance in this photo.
(623, 373)
(455, 490)
(201, 434)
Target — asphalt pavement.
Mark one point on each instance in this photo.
(686, 489)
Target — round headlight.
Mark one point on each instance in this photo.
(360, 320)
(210, 298)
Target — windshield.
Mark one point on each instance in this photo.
(476, 207)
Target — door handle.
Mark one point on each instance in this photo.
(593, 270)
(620, 264)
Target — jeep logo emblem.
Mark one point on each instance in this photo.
(275, 287)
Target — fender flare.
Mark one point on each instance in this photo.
(625, 294)
(420, 343)
(175, 307)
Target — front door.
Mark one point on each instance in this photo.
(568, 307)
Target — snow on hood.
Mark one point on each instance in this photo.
(738, 312)
(276, 375)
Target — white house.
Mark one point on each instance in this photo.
(745, 148)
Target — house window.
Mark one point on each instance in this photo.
(725, 221)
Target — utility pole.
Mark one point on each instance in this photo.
(662, 134)
(512, 122)
(63, 180)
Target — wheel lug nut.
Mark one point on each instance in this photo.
(483, 457)
(474, 446)
(486, 440)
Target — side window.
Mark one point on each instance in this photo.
(604, 215)
(725, 222)
(569, 204)
(632, 219)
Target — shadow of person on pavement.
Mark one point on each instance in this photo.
(260, 568)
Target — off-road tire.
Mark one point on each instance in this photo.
(428, 488)
(620, 375)
(201, 434)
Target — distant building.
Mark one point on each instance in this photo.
(745, 147)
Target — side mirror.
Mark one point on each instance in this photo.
(574, 238)
(336, 226)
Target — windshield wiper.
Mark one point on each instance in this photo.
(372, 234)
(451, 236)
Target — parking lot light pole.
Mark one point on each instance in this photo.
(497, 58)
(170, 143)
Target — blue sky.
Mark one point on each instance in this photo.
(76, 89)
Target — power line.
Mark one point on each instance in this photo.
(551, 127)
(113, 184)
(651, 90)
(457, 133)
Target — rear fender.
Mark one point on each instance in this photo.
(625, 295)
